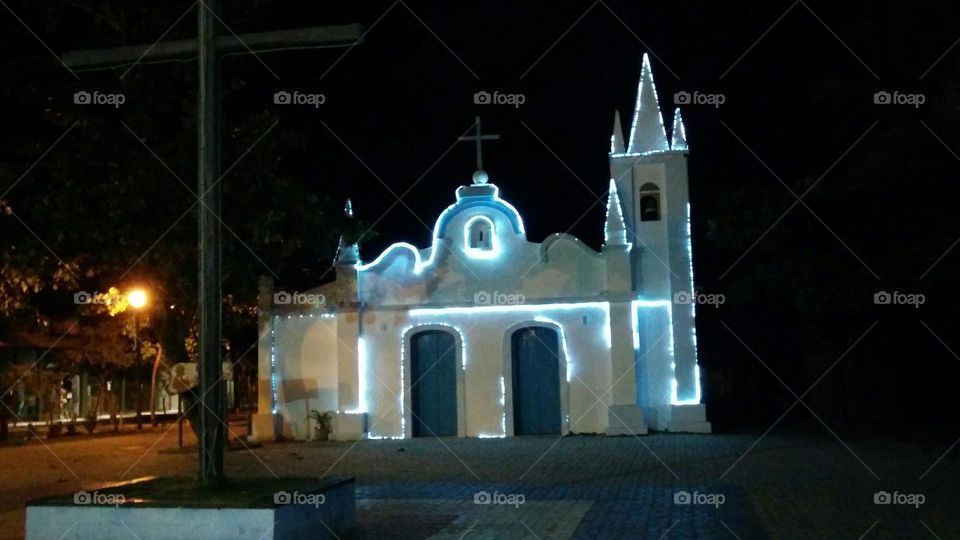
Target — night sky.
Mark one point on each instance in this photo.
(798, 80)
(400, 100)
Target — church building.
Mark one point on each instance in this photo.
(486, 333)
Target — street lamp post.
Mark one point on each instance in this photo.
(137, 299)
(210, 49)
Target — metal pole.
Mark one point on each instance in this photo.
(212, 404)
(479, 147)
(208, 130)
(180, 421)
(138, 369)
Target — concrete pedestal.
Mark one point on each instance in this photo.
(348, 426)
(689, 419)
(266, 427)
(625, 420)
(268, 508)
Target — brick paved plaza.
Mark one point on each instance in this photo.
(789, 486)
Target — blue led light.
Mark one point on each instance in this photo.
(420, 264)
(674, 400)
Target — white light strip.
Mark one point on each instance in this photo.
(403, 409)
(310, 316)
(503, 415)
(361, 376)
(641, 154)
(693, 334)
(696, 398)
(274, 405)
(518, 308)
(503, 407)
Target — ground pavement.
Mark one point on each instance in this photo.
(786, 486)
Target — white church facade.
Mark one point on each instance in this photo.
(485, 333)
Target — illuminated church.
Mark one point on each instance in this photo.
(485, 333)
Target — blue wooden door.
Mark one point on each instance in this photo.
(433, 383)
(536, 381)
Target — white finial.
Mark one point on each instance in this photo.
(616, 140)
(679, 141)
(614, 229)
(647, 133)
(347, 253)
(480, 177)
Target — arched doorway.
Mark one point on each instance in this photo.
(535, 363)
(433, 383)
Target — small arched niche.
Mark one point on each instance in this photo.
(479, 236)
(649, 202)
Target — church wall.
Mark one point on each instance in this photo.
(484, 360)
(652, 276)
(680, 258)
(654, 351)
(560, 267)
(307, 376)
(381, 377)
(662, 261)
(480, 265)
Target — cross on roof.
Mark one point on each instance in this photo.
(479, 177)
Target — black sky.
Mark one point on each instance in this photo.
(798, 78)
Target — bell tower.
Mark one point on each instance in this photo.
(650, 172)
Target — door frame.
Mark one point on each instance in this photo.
(508, 374)
(406, 367)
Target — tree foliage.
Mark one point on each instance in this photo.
(97, 197)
